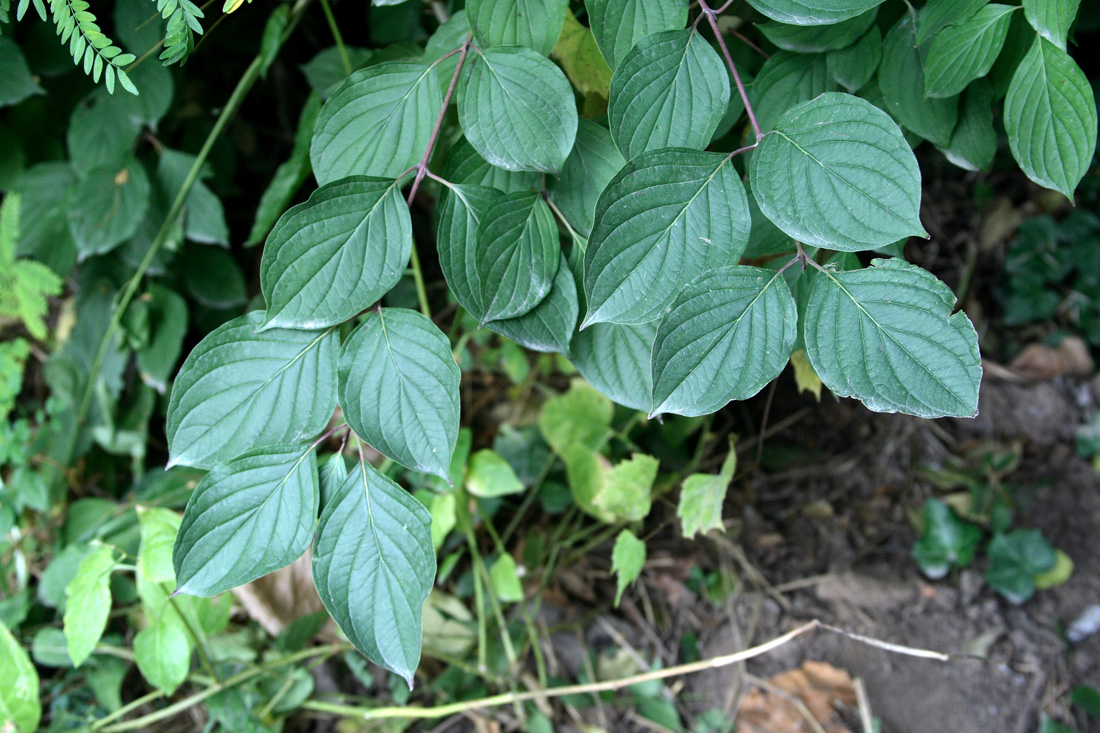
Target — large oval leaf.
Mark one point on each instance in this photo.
(377, 123)
(589, 168)
(885, 335)
(240, 389)
(853, 67)
(548, 326)
(901, 79)
(787, 79)
(813, 12)
(516, 108)
(247, 518)
(19, 697)
(837, 173)
(399, 389)
(465, 165)
(617, 360)
(666, 218)
(461, 208)
(974, 141)
(535, 24)
(1050, 117)
(965, 52)
(618, 25)
(671, 89)
(374, 565)
(729, 333)
(818, 38)
(106, 207)
(516, 255)
(1052, 18)
(939, 14)
(336, 254)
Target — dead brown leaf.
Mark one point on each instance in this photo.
(822, 689)
(1070, 358)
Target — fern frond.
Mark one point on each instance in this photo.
(183, 22)
(5, 10)
(39, 8)
(25, 285)
(89, 46)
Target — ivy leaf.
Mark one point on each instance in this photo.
(901, 79)
(627, 561)
(247, 518)
(818, 38)
(785, 80)
(399, 389)
(465, 165)
(1015, 559)
(947, 542)
(618, 25)
(671, 89)
(701, 498)
(813, 12)
(535, 24)
(853, 67)
(377, 123)
(88, 603)
(730, 332)
(965, 52)
(106, 207)
(241, 389)
(836, 172)
(1052, 18)
(591, 165)
(516, 108)
(516, 255)
(373, 565)
(336, 254)
(1050, 117)
(885, 335)
(461, 209)
(163, 654)
(549, 325)
(974, 141)
(667, 217)
(20, 703)
(617, 360)
(939, 14)
(625, 491)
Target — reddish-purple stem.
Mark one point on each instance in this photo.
(422, 166)
(745, 149)
(712, 19)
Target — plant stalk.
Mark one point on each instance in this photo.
(712, 20)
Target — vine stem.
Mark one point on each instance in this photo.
(336, 36)
(244, 86)
(712, 20)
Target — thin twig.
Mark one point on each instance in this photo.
(712, 19)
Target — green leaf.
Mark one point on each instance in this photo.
(813, 12)
(1050, 117)
(289, 176)
(1058, 574)
(325, 72)
(373, 565)
(974, 141)
(837, 173)
(101, 131)
(1052, 18)
(399, 389)
(535, 24)
(247, 518)
(461, 209)
(1088, 699)
(885, 335)
(88, 603)
(1014, 561)
(965, 52)
(489, 475)
(671, 89)
(106, 207)
(447, 37)
(241, 389)
(946, 542)
(701, 498)
(377, 123)
(205, 217)
(444, 511)
(581, 415)
(619, 25)
(20, 704)
(854, 66)
(159, 528)
(168, 326)
(730, 332)
(625, 490)
(16, 81)
(516, 255)
(818, 38)
(44, 227)
(627, 561)
(549, 325)
(901, 79)
(504, 577)
(516, 108)
(163, 654)
(591, 165)
(939, 14)
(666, 218)
(785, 80)
(465, 165)
(581, 60)
(616, 359)
(336, 254)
